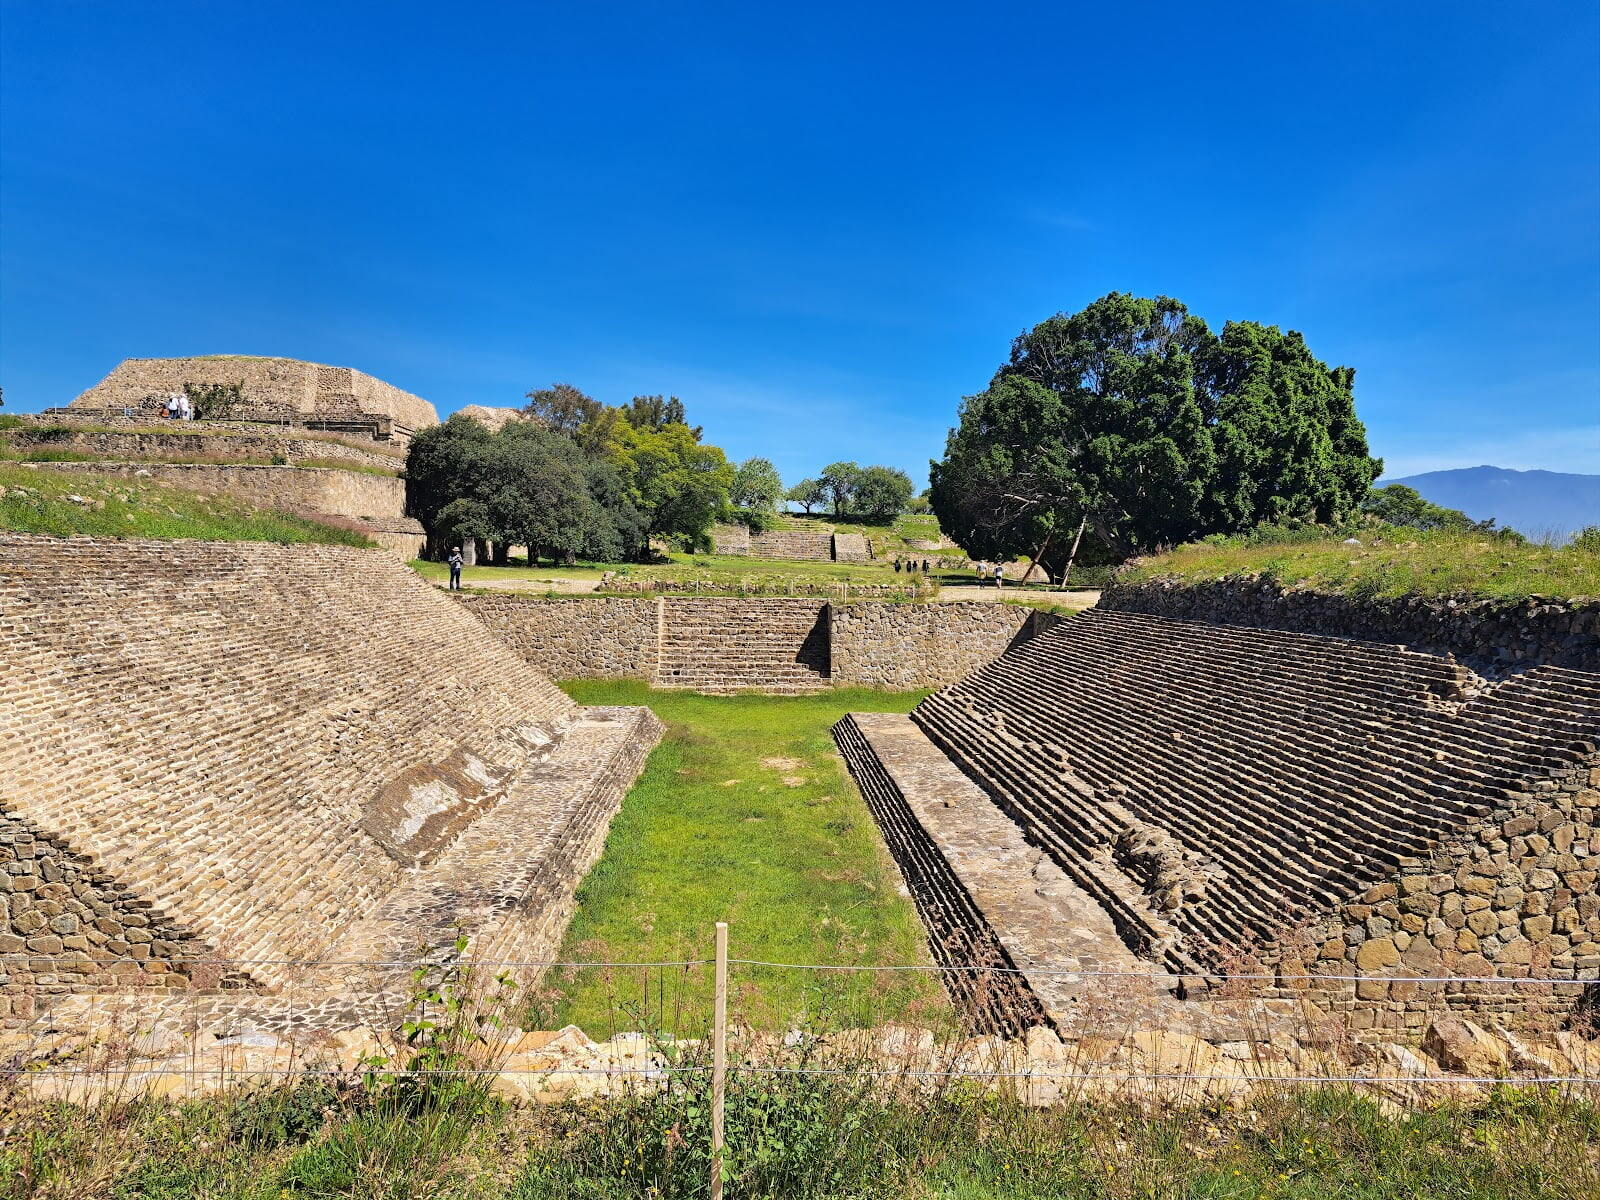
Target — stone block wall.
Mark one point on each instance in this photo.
(220, 727)
(353, 494)
(869, 643)
(1494, 637)
(907, 646)
(195, 439)
(578, 637)
(67, 927)
(1512, 896)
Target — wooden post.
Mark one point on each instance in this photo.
(719, 1059)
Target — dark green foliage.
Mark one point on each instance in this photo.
(882, 493)
(1134, 419)
(561, 407)
(656, 412)
(525, 485)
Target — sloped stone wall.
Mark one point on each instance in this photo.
(1491, 636)
(214, 725)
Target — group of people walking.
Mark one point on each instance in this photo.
(911, 565)
(178, 407)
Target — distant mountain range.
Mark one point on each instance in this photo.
(1535, 503)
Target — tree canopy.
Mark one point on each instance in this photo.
(757, 486)
(881, 493)
(808, 494)
(1132, 421)
(562, 407)
(582, 481)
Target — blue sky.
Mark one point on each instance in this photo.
(819, 225)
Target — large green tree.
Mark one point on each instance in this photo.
(757, 486)
(882, 493)
(1133, 423)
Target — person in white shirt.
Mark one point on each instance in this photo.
(185, 409)
(174, 406)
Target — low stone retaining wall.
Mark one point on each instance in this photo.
(906, 646)
(871, 643)
(1493, 637)
(576, 637)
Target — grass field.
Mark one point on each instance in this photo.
(39, 501)
(744, 814)
(1391, 562)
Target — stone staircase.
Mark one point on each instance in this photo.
(729, 645)
(806, 545)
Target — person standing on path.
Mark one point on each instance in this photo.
(455, 569)
(999, 576)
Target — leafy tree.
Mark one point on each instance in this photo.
(756, 485)
(525, 485)
(1130, 425)
(657, 412)
(680, 487)
(808, 494)
(442, 466)
(1400, 505)
(562, 407)
(839, 481)
(882, 493)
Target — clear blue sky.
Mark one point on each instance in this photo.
(820, 225)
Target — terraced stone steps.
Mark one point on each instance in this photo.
(1294, 770)
(723, 646)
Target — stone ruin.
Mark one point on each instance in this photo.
(235, 770)
(1372, 829)
(276, 390)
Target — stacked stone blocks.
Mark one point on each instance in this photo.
(263, 750)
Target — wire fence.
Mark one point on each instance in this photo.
(284, 1031)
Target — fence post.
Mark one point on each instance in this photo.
(719, 1059)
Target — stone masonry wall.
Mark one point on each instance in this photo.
(202, 442)
(247, 736)
(67, 927)
(338, 493)
(906, 646)
(1493, 637)
(1511, 896)
(873, 644)
(580, 637)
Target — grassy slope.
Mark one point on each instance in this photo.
(1392, 563)
(746, 814)
(35, 501)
